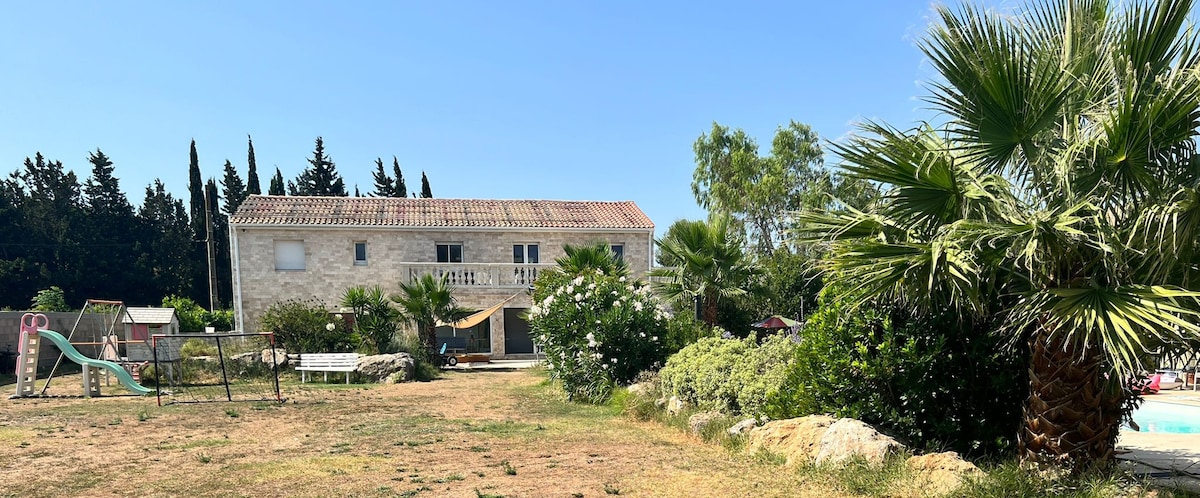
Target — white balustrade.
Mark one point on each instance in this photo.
(514, 275)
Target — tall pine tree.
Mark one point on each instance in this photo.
(425, 192)
(252, 185)
(235, 191)
(220, 226)
(321, 177)
(401, 190)
(164, 261)
(383, 183)
(108, 234)
(196, 189)
(276, 187)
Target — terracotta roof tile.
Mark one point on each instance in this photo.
(464, 213)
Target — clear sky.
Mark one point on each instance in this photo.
(588, 100)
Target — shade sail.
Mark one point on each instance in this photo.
(479, 317)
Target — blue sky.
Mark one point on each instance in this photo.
(550, 100)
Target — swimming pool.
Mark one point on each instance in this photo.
(1158, 416)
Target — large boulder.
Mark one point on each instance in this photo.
(281, 356)
(743, 426)
(796, 439)
(700, 421)
(848, 438)
(941, 473)
(245, 359)
(398, 367)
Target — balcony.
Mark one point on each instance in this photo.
(480, 275)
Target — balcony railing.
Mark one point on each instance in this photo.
(513, 275)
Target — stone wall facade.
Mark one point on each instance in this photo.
(395, 254)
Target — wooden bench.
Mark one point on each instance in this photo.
(327, 362)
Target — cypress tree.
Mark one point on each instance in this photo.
(196, 189)
(235, 191)
(383, 182)
(252, 185)
(400, 190)
(356, 194)
(321, 177)
(276, 187)
(425, 192)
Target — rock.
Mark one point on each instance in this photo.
(698, 422)
(941, 473)
(281, 356)
(675, 405)
(661, 403)
(381, 367)
(248, 358)
(743, 426)
(638, 389)
(796, 439)
(848, 438)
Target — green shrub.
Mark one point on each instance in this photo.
(375, 319)
(194, 318)
(935, 382)
(735, 376)
(597, 330)
(197, 347)
(684, 329)
(306, 327)
(51, 299)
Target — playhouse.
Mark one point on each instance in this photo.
(142, 323)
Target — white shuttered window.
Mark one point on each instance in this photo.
(289, 254)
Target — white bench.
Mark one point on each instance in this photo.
(327, 362)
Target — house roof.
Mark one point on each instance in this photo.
(149, 316)
(439, 213)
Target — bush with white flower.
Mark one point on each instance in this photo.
(597, 330)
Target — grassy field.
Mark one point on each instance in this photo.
(467, 434)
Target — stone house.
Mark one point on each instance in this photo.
(291, 247)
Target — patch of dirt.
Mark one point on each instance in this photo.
(498, 433)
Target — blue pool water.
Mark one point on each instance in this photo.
(1157, 416)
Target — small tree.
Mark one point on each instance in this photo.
(50, 300)
(427, 301)
(375, 319)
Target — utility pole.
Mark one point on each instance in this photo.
(210, 244)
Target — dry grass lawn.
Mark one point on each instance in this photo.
(468, 434)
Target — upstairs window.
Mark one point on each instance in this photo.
(525, 253)
(289, 255)
(619, 251)
(449, 253)
(360, 253)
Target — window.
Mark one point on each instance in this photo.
(619, 250)
(449, 253)
(360, 253)
(289, 254)
(525, 253)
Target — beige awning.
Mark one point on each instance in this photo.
(479, 317)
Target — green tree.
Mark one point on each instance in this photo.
(165, 260)
(110, 229)
(705, 261)
(589, 258)
(252, 185)
(50, 300)
(427, 301)
(400, 190)
(320, 178)
(731, 177)
(375, 319)
(276, 187)
(220, 231)
(1059, 196)
(196, 189)
(384, 186)
(425, 192)
(233, 188)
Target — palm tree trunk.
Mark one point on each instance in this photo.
(710, 311)
(1071, 417)
(429, 337)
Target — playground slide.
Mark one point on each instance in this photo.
(65, 346)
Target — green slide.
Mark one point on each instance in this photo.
(65, 346)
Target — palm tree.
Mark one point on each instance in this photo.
(427, 301)
(594, 256)
(1061, 196)
(703, 261)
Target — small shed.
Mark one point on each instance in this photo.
(140, 324)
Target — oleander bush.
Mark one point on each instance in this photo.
(306, 327)
(597, 330)
(735, 376)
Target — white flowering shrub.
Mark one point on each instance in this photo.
(596, 330)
